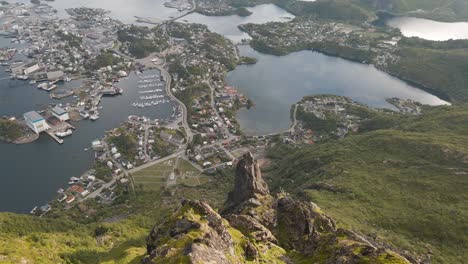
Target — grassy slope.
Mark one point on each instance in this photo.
(58, 241)
(398, 184)
(442, 10)
(443, 71)
(70, 237)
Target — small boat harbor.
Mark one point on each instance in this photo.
(81, 187)
(149, 95)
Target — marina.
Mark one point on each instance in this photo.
(18, 96)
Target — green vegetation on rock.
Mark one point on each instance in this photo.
(404, 184)
(9, 130)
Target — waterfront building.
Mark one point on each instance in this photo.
(25, 68)
(60, 113)
(55, 76)
(36, 122)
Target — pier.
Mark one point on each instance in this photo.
(59, 127)
(52, 135)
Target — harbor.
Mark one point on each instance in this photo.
(74, 160)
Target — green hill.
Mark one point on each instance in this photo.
(406, 184)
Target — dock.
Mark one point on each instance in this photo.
(59, 127)
(52, 135)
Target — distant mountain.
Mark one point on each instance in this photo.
(445, 10)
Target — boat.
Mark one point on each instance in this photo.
(94, 117)
(60, 191)
(42, 85)
(64, 133)
(22, 77)
(46, 87)
(84, 114)
(73, 180)
(32, 82)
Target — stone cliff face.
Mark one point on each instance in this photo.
(248, 183)
(259, 228)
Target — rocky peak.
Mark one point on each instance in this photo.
(259, 228)
(248, 182)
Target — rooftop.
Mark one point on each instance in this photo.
(58, 110)
(33, 116)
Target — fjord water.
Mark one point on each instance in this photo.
(227, 25)
(31, 173)
(429, 29)
(275, 83)
(123, 10)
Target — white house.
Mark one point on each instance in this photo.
(60, 113)
(36, 122)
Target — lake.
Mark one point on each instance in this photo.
(227, 25)
(275, 83)
(429, 29)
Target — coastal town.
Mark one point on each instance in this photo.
(180, 65)
(364, 43)
(98, 52)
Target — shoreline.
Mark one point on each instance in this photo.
(408, 81)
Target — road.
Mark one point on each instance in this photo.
(294, 124)
(168, 79)
(151, 163)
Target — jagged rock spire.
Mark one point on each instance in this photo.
(248, 182)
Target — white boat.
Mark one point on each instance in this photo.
(94, 117)
(64, 133)
(22, 77)
(73, 180)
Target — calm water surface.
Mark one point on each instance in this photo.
(123, 10)
(227, 25)
(429, 29)
(31, 173)
(275, 83)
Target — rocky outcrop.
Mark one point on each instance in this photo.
(251, 195)
(301, 224)
(195, 232)
(198, 234)
(248, 182)
(251, 228)
(260, 228)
